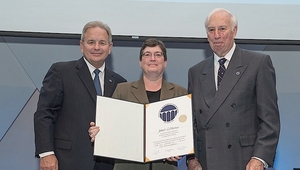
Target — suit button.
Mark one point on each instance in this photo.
(227, 124)
(205, 128)
(200, 111)
(229, 146)
(233, 105)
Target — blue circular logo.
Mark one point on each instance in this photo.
(168, 113)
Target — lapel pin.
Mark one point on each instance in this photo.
(237, 73)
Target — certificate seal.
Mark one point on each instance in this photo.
(182, 118)
(168, 113)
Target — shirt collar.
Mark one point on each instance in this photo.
(92, 68)
(227, 56)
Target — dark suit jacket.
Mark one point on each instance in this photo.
(66, 106)
(135, 92)
(241, 119)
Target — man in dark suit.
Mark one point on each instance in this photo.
(67, 104)
(236, 117)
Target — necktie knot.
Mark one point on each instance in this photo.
(222, 61)
(96, 71)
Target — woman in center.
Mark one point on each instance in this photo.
(150, 88)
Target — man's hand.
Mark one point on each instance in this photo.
(193, 164)
(93, 130)
(49, 163)
(254, 164)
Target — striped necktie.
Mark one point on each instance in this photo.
(221, 70)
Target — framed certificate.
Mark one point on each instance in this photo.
(144, 132)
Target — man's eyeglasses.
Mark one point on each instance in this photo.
(156, 54)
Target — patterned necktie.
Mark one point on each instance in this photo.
(97, 82)
(221, 70)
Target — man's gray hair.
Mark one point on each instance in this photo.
(99, 24)
(233, 19)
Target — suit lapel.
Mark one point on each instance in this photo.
(233, 73)
(109, 84)
(83, 73)
(166, 91)
(139, 91)
(208, 82)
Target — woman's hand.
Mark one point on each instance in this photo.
(174, 158)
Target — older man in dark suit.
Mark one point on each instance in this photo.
(67, 104)
(234, 103)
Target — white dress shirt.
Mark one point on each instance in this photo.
(217, 64)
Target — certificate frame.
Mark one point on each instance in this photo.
(144, 132)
